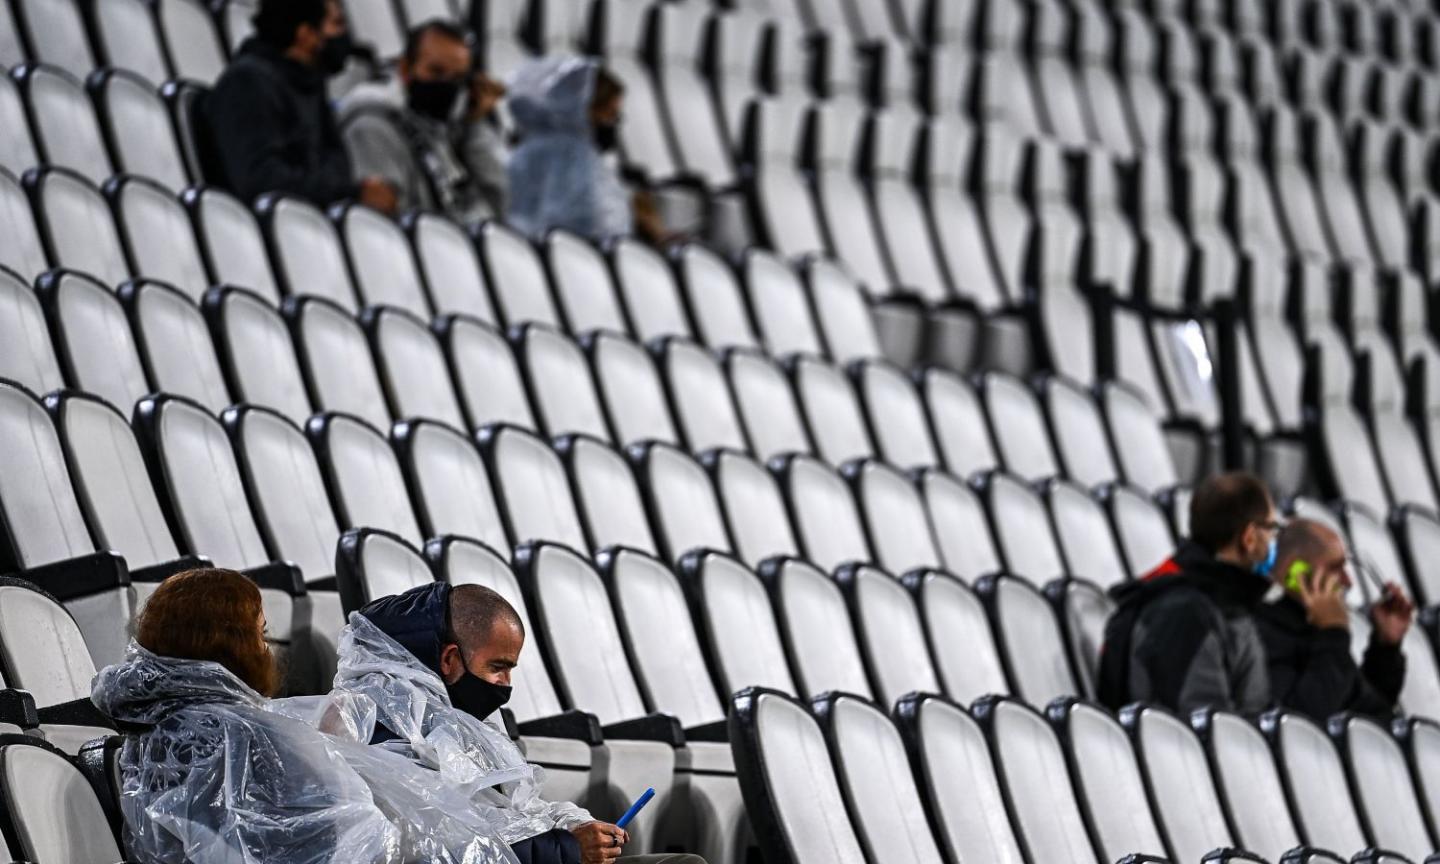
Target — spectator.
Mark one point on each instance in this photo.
(268, 124)
(437, 661)
(1185, 636)
(216, 775)
(567, 113)
(1307, 631)
(430, 131)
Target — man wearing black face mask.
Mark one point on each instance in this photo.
(268, 127)
(437, 662)
(430, 129)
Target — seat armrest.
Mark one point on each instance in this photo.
(713, 733)
(17, 707)
(279, 576)
(575, 725)
(1308, 854)
(1375, 854)
(81, 712)
(160, 572)
(79, 577)
(652, 727)
(1227, 854)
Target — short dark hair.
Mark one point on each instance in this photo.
(607, 87)
(1224, 506)
(440, 26)
(277, 20)
(475, 609)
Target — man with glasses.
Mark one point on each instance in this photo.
(1185, 635)
(1306, 629)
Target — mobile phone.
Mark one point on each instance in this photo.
(1295, 576)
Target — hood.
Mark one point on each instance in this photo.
(145, 688)
(552, 96)
(416, 620)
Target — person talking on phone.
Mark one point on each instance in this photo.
(1305, 629)
(430, 130)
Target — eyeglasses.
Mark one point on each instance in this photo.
(1270, 526)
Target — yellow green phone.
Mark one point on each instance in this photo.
(1299, 569)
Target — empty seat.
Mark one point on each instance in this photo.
(1144, 457)
(531, 487)
(192, 40)
(377, 25)
(449, 483)
(1294, 189)
(617, 30)
(631, 389)
(1107, 778)
(684, 510)
(649, 291)
(335, 358)
(791, 791)
(412, 366)
(1031, 765)
(1186, 803)
(1082, 444)
(1022, 530)
(76, 225)
(948, 154)
(736, 622)
(608, 496)
(367, 487)
(1083, 609)
(308, 255)
(754, 507)
(1084, 535)
(560, 383)
(26, 355)
(678, 35)
(958, 419)
(1387, 802)
(782, 309)
(175, 344)
(485, 372)
(371, 564)
(704, 413)
(450, 266)
(713, 293)
(832, 411)
(62, 119)
(381, 261)
(158, 236)
(137, 125)
(786, 216)
(256, 353)
(891, 635)
(841, 312)
(97, 349)
(50, 808)
(583, 284)
(823, 512)
(896, 414)
(960, 526)
(1036, 658)
(1142, 529)
(1315, 781)
(819, 639)
(1017, 424)
(516, 275)
(23, 252)
(767, 405)
(894, 516)
(1055, 253)
(231, 242)
(962, 645)
(56, 34)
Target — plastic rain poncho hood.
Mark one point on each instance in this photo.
(412, 703)
(219, 777)
(558, 177)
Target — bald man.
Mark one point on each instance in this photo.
(1306, 631)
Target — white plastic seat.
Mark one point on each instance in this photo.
(382, 262)
(832, 411)
(192, 40)
(1037, 661)
(713, 293)
(1022, 529)
(516, 275)
(1315, 779)
(1250, 784)
(607, 495)
(891, 636)
(158, 236)
(737, 622)
(335, 357)
(371, 564)
(98, 353)
(451, 268)
(256, 352)
(76, 225)
(62, 119)
(308, 255)
(767, 405)
(23, 251)
(53, 809)
(486, 373)
(704, 413)
(960, 526)
(896, 414)
(649, 290)
(1084, 535)
(583, 284)
(232, 242)
(894, 516)
(841, 312)
(560, 383)
(754, 507)
(1142, 529)
(631, 390)
(684, 510)
(819, 639)
(175, 344)
(137, 124)
(531, 487)
(450, 485)
(1384, 795)
(42, 649)
(367, 487)
(412, 366)
(1185, 800)
(826, 519)
(782, 309)
(26, 355)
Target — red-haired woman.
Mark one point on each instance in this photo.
(214, 776)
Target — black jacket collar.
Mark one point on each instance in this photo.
(298, 75)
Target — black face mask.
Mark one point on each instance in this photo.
(476, 696)
(335, 52)
(434, 99)
(607, 136)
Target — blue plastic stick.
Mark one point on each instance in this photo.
(635, 808)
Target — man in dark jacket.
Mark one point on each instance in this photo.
(268, 124)
(1185, 636)
(1306, 631)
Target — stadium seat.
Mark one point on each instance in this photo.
(1380, 778)
(175, 343)
(1106, 775)
(617, 32)
(1084, 535)
(896, 414)
(55, 34)
(136, 123)
(306, 251)
(713, 294)
(335, 357)
(1315, 782)
(450, 266)
(46, 655)
(370, 564)
(684, 510)
(27, 356)
(823, 512)
(1077, 429)
(1030, 762)
(791, 790)
(611, 505)
(649, 291)
(1022, 529)
(560, 384)
(231, 242)
(703, 411)
(631, 390)
(157, 235)
(893, 513)
(1065, 327)
(23, 253)
(377, 25)
(815, 624)
(1083, 608)
(515, 272)
(831, 409)
(362, 473)
(63, 122)
(49, 808)
(786, 218)
(531, 487)
(12, 49)
(97, 350)
(381, 262)
(957, 417)
(412, 366)
(890, 633)
(1027, 633)
(736, 622)
(192, 40)
(782, 309)
(583, 285)
(767, 404)
(842, 312)
(960, 526)
(676, 35)
(256, 353)
(449, 483)
(1017, 425)
(754, 507)
(485, 372)
(75, 224)
(875, 779)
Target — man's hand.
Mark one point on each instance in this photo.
(600, 842)
(378, 194)
(485, 96)
(1393, 615)
(1324, 601)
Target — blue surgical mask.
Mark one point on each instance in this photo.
(1263, 568)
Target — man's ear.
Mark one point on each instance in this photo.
(452, 665)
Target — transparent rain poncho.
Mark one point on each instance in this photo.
(558, 177)
(471, 754)
(221, 778)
